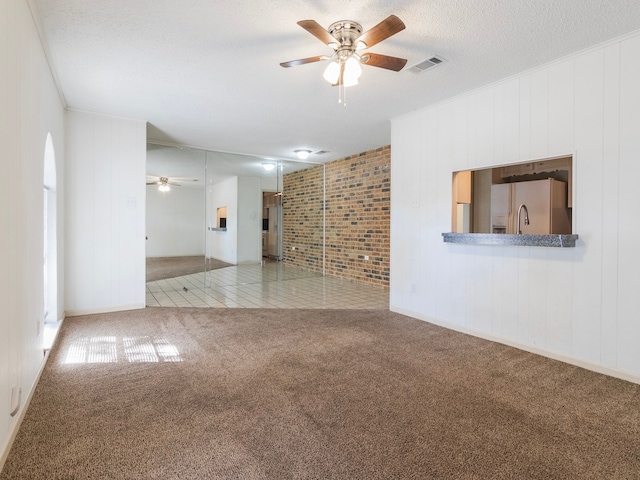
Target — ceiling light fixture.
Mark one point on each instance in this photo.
(302, 154)
(344, 72)
(268, 166)
(349, 68)
(347, 39)
(164, 187)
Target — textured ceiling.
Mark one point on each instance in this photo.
(206, 73)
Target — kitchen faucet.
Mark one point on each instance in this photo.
(526, 216)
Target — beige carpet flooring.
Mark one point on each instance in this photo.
(159, 268)
(314, 394)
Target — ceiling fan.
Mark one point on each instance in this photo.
(164, 185)
(347, 40)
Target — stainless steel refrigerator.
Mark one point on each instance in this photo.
(545, 206)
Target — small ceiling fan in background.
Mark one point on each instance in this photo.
(164, 185)
(345, 37)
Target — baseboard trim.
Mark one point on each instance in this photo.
(93, 311)
(23, 410)
(578, 362)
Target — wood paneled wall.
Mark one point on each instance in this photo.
(30, 109)
(577, 304)
(105, 206)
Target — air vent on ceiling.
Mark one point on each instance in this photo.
(426, 64)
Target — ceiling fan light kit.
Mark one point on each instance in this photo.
(332, 72)
(349, 68)
(164, 185)
(346, 38)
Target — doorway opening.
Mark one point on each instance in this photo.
(271, 225)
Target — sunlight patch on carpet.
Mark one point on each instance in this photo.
(112, 349)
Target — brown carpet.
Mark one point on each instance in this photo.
(322, 394)
(159, 268)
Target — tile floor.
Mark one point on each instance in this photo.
(271, 285)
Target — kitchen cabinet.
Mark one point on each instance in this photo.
(462, 187)
(461, 201)
(544, 203)
(550, 166)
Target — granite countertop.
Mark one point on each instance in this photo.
(553, 240)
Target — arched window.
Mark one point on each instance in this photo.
(50, 253)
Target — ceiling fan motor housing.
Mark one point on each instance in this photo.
(346, 32)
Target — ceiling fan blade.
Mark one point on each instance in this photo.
(315, 29)
(153, 183)
(383, 61)
(302, 61)
(386, 28)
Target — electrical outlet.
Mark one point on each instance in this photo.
(366, 257)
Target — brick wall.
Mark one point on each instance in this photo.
(357, 217)
(302, 218)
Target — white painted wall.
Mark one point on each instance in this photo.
(578, 304)
(223, 245)
(249, 220)
(270, 184)
(242, 241)
(175, 222)
(30, 108)
(105, 206)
